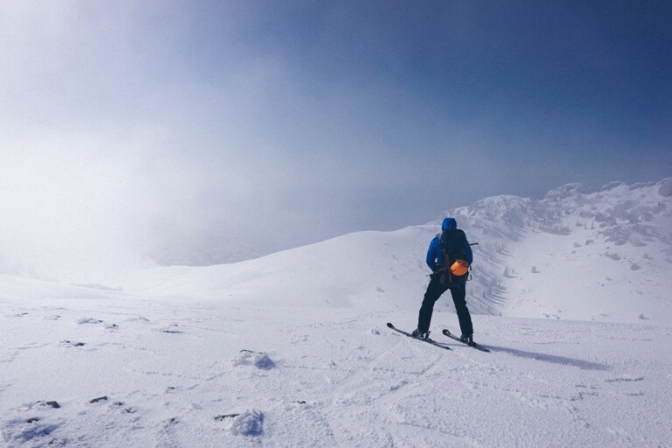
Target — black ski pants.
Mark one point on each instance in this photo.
(434, 290)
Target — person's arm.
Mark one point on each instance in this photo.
(431, 254)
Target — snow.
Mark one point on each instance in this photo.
(292, 349)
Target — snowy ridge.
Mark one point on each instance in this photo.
(574, 254)
(363, 270)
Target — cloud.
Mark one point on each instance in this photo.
(72, 203)
(127, 126)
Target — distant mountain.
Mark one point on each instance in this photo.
(574, 253)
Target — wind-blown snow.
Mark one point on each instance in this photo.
(570, 293)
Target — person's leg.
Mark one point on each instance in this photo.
(434, 291)
(463, 315)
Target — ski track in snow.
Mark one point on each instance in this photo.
(336, 377)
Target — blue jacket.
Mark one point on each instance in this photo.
(434, 251)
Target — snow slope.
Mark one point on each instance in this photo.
(82, 368)
(292, 349)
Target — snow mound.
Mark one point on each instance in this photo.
(248, 423)
(257, 359)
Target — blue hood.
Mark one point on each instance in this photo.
(449, 223)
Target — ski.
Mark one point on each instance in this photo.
(428, 340)
(473, 344)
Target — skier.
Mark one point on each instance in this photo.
(446, 257)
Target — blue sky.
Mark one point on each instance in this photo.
(283, 123)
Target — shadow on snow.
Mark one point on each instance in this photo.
(586, 365)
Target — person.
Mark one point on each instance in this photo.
(441, 280)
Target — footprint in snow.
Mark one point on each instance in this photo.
(31, 432)
(625, 379)
(166, 433)
(34, 429)
(93, 321)
(89, 320)
(171, 329)
(41, 423)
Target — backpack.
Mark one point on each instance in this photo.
(453, 244)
